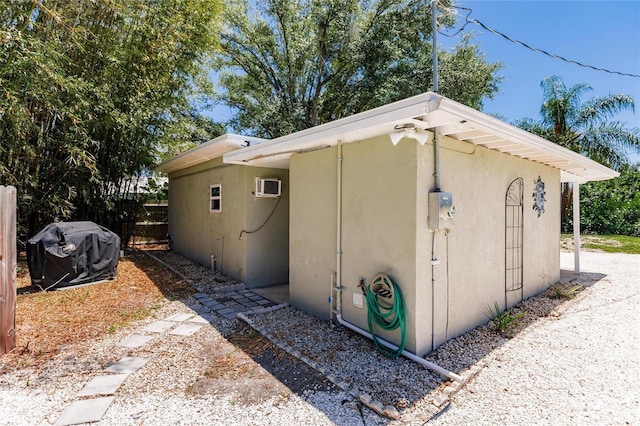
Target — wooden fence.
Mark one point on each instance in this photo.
(7, 269)
(151, 225)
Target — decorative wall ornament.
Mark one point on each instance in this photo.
(539, 196)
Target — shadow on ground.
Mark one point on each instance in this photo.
(408, 385)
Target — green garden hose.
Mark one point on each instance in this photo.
(385, 308)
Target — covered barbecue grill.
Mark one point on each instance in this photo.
(72, 253)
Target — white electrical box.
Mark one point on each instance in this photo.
(441, 210)
(358, 299)
(268, 187)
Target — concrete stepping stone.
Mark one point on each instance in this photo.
(199, 320)
(159, 326)
(135, 341)
(84, 411)
(185, 329)
(127, 365)
(179, 317)
(103, 385)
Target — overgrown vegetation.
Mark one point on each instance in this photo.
(91, 94)
(610, 206)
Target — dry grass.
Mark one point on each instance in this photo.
(47, 321)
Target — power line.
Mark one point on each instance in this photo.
(523, 44)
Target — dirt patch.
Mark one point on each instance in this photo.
(253, 370)
(57, 329)
(48, 321)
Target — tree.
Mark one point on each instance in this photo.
(585, 127)
(89, 92)
(612, 206)
(288, 65)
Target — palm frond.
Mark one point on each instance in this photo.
(609, 143)
(603, 108)
(561, 104)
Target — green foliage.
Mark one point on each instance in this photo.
(587, 127)
(89, 92)
(287, 65)
(560, 292)
(611, 206)
(503, 321)
(156, 189)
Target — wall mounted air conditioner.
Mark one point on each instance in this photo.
(268, 187)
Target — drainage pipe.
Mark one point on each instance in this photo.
(339, 228)
(406, 354)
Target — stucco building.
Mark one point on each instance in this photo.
(460, 209)
(214, 213)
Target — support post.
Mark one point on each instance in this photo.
(7, 269)
(576, 227)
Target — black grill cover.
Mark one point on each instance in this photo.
(72, 253)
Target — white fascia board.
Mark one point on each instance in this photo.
(426, 111)
(569, 177)
(368, 124)
(583, 167)
(207, 151)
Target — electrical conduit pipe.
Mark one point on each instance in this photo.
(338, 288)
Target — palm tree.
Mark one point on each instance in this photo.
(586, 127)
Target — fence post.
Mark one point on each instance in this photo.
(7, 269)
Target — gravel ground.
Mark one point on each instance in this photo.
(579, 368)
(571, 362)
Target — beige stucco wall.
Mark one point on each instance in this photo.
(257, 259)
(379, 225)
(378, 220)
(471, 273)
(312, 230)
(267, 253)
(385, 212)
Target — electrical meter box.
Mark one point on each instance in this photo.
(441, 210)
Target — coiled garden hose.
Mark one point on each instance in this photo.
(385, 308)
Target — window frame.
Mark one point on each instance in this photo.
(213, 198)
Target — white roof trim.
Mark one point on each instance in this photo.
(207, 151)
(426, 111)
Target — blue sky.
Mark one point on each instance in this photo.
(605, 34)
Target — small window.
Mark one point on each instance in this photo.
(215, 198)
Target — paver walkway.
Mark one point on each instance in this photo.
(94, 399)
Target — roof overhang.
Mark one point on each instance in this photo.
(208, 151)
(425, 112)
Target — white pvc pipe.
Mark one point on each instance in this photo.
(339, 228)
(406, 354)
(576, 227)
